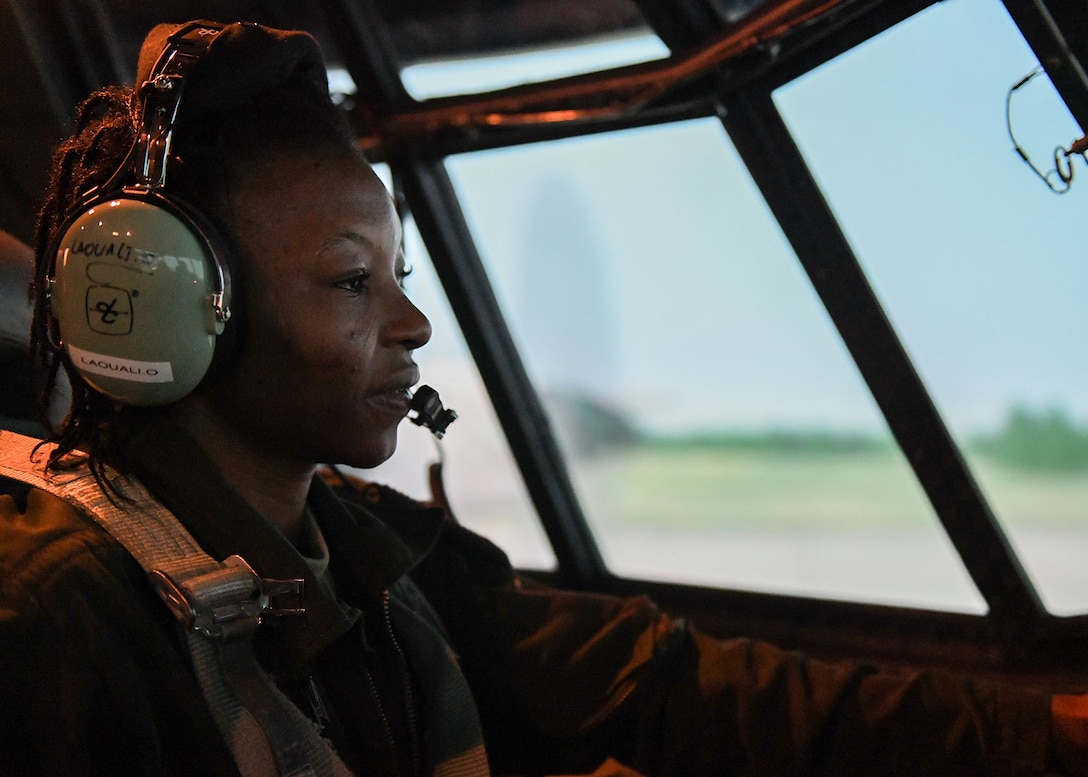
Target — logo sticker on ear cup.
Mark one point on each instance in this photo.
(109, 310)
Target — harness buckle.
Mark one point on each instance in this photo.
(228, 601)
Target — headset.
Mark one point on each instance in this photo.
(138, 288)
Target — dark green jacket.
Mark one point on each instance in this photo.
(94, 678)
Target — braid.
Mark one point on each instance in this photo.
(105, 132)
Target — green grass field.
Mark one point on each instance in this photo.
(817, 520)
(705, 487)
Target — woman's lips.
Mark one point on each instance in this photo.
(395, 402)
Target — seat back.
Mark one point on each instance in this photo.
(18, 407)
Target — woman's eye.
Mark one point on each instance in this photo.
(403, 275)
(354, 283)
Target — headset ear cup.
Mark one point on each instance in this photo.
(140, 295)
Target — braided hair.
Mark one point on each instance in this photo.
(105, 132)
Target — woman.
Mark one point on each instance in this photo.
(418, 643)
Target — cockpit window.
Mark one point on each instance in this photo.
(717, 431)
(978, 263)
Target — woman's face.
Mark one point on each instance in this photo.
(324, 370)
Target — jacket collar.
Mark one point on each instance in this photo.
(367, 554)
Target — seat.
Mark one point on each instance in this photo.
(18, 408)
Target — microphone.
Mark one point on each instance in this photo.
(430, 413)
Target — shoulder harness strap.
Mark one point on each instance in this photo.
(219, 605)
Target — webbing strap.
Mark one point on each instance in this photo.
(267, 734)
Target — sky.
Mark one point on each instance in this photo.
(980, 266)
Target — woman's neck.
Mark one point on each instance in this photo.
(273, 484)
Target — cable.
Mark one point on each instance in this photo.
(1063, 164)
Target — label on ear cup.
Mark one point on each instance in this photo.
(121, 369)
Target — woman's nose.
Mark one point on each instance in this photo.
(408, 325)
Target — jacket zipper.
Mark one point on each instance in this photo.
(409, 697)
(381, 714)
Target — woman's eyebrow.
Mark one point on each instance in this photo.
(362, 241)
(350, 237)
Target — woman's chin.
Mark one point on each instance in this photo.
(374, 452)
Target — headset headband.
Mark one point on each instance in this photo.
(161, 95)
